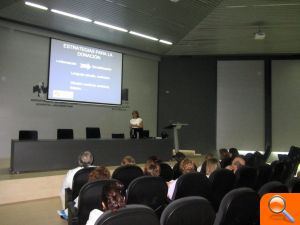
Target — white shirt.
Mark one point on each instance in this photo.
(93, 217)
(135, 123)
(171, 188)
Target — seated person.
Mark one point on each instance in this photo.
(202, 168)
(237, 163)
(99, 173)
(212, 165)
(128, 160)
(233, 152)
(112, 200)
(225, 158)
(152, 169)
(85, 159)
(186, 166)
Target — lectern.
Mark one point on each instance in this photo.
(176, 127)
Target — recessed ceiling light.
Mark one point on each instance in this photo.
(143, 35)
(36, 5)
(165, 42)
(71, 15)
(110, 26)
(236, 6)
(279, 4)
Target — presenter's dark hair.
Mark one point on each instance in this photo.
(85, 159)
(112, 198)
(136, 112)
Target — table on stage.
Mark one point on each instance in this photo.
(44, 155)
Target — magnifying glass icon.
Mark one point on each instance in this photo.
(277, 205)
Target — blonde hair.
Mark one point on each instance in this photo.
(187, 166)
(128, 160)
(152, 169)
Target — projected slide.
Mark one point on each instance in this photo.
(84, 74)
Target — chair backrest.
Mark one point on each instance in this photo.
(281, 171)
(131, 215)
(239, 207)
(65, 134)
(203, 167)
(148, 190)
(28, 135)
(90, 197)
(80, 178)
(192, 184)
(272, 187)
(245, 177)
(176, 171)
(120, 136)
(127, 173)
(222, 181)
(294, 185)
(264, 174)
(93, 132)
(188, 211)
(166, 171)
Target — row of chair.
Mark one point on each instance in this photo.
(91, 133)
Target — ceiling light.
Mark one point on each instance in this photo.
(143, 35)
(71, 15)
(236, 6)
(36, 5)
(110, 26)
(165, 42)
(279, 4)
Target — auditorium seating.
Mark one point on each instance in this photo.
(245, 177)
(272, 187)
(129, 215)
(90, 197)
(239, 207)
(264, 174)
(65, 134)
(127, 173)
(294, 185)
(222, 181)
(28, 135)
(119, 135)
(176, 171)
(192, 184)
(93, 133)
(166, 172)
(150, 191)
(188, 211)
(80, 178)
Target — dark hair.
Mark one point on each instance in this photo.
(152, 169)
(99, 173)
(179, 156)
(112, 198)
(234, 152)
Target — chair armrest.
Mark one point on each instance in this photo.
(68, 196)
(72, 214)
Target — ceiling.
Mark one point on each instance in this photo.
(196, 27)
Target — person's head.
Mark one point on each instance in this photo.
(212, 164)
(85, 159)
(179, 156)
(128, 160)
(135, 114)
(223, 153)
(233, 152)
(237, 163)
(152, 169)
(112, 198)
(99, 173)
(187, 166)
(209, 156)
(153, 158)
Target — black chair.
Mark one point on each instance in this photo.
(176, 171)
(203, 167)
(90, 197)
(80, 178)
(31, 135)
(118, 136)
(93, 133)
(281, 171)
(127, 173)
(294, 185)
(149, 191)
(129, 215)
(264, 174)
(272, 187)
(192, 184)
(222, 181)
(239, 207)
(166, 171)
(245, 177)
(65, 134)
(188, 211)
(146, 133)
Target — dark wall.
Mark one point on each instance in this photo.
(188, 94)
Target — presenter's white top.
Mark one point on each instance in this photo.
(135, 123)
(94, 215)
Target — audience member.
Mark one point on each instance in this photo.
(202, 167)
(237, 163)
(212, 164)
(186, 166)
(154, 158)
(85, 159)
(112, 200)
(152, 169)
(224, 157)
(128, 160)
(233, 152)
